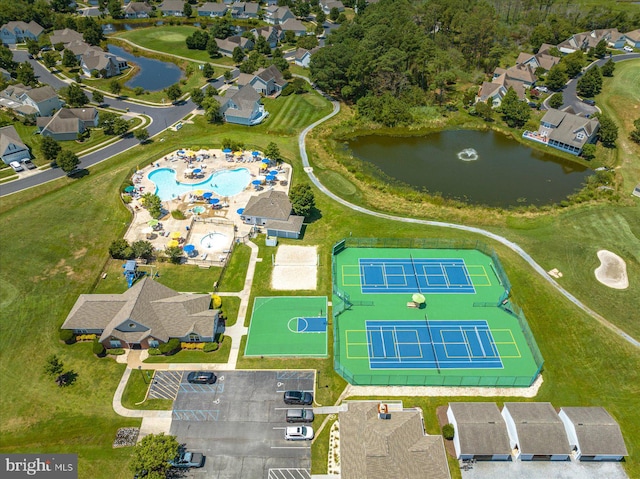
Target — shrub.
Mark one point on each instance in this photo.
(67, 336)
(115, 351)
(170, 347)
(210, 347)
(86, 337)
(98, 348)
(448, 432)
(178, 215)
(127, 199)
(154, 352)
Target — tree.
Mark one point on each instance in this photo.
(67, 160)
(115, 87)
(69, 60)
(113, 124)
(600, 49)
(334, 13)
(213, 50)
(187, 10)
(608, 68)
(49, 59)
(142, 249)
(120, 249)
(307, 42)
(33, 47)
(141, 134)
(211, 108)
(608, 133)
(208, 70)
(61, 6)
(514, 112)
(115, 9)
(272, 152)
(302, 199)
(573, 63)
(75, 96)
(153, 204)
(556, 100)
(262, 46)
(91, 30)
(174, 92)
(589, 151)
(26, 75)
(635, 134)
(289, 36)
(237, 55)
(321, 17)
(53, 366)
(198, 40)
(590, 84)
(151, 456)
(484, 110)
(227, 76)
(175, 254)
(197, 97)
(97, 97)
(296, 86)
(556, 78)
(49, 148)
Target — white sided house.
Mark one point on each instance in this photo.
(480, 431)
(565, 131)
(536, 433)
(11, 146)
(593, 434)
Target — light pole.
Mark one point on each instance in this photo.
(141, 374)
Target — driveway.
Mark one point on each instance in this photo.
(238, 423)
(545, 470)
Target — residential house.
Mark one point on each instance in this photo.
(268, 81)
(565, 131)
(633, 38)
(251, 10)
(535, 431)
(273, 34)
(25, 100)
(212, 9)
(137, 10)
(480, 431)
(593, 434)
(19, 32)
(494, 91)
(294, 25)
(65, 36)
(587, 40)
(389, 444)
(104, 63)
(520, 77)
(172, 8)
(145, 316)
(539, 60)
(328, 5)
(227, 45)
(11, 146)
(300, 57)
(242, 106)
(276, 15)
(272, 210)
(68, 123)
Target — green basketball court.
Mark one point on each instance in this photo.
(288, 326)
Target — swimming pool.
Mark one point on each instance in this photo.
(223, 183)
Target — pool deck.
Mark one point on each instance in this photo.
(212, 160)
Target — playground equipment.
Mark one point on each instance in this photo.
(131, 272)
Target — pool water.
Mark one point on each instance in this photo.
(214, 242)
(198, 209)
(223, 183)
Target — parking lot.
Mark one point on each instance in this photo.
(238, 424)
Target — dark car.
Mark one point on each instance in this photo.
(186, 459)
(29, 164)
(201, 377)
(300, 415)
(298, 397)
(589, 102)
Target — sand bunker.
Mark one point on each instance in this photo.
(612, 271)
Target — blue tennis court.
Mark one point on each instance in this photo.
(431, 345)
(419, 275)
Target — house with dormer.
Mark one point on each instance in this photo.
(25, 100)
(172, 8)
(19, 32)
(65, 37)
(273, 34)
(94, 60)
(67, 123)
(299, 56)
(632, 38)
(11, 146)
(227, 45)
(242, 106)
(266, 81)
(145, 316)
(585, 41)
(294, 25)
(565, 131)
(276, 15)
(137, 10)
(212, 9)
(328, 5)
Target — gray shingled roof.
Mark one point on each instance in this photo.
(32, 27)
(373, 448)
(293, 224)
(212, 7)
(274, 205)
(567, 125)
(598, 433)
(294, 25)
(41, 94)
(272, 73)
(154, 309)
(540, 430)
(9, 135)
(481, 428)
(137, 7)
(171, 5)
(245, 98)
(65, 36)
(59, 124)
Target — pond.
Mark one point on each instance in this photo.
(477, 167)
(154, 75)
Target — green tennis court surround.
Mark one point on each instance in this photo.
(288, 326)
(467, 332)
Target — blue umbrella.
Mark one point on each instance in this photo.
(207, 195)
(255, 153)
(214, 201)
(271, 178)
(273, 172)
(129, 189)
(197, 170)
(227, 150)
(240, 211)
(266, 161)
(256, 182)
(188, 248)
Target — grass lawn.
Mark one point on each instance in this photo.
(136, 390)
(193, 356)
(170, 39)
(236, 271)
(230, 307)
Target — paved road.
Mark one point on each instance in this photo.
(509, 244)
(161, 118)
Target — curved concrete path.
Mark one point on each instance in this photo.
(509, 244)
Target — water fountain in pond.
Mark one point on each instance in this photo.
(468, 154)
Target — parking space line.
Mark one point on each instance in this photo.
(290, 447)
(198, 415)
(294, 375)
(289, 472)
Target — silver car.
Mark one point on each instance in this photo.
(298, 433)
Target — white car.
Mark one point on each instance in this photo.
(16, 166)
(627, 48)
(298, 433)
(542, 89)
